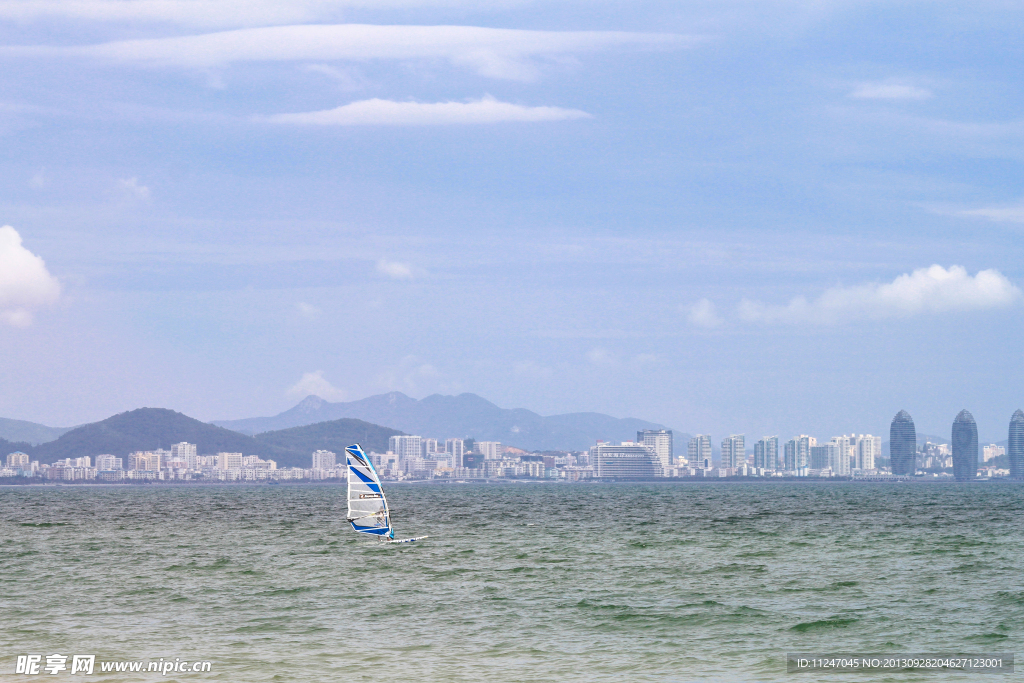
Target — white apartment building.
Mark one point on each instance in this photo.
(109, 462)
(324, 460)
(455, 448)
(698, 452)
(407, 448)
(734, 451)
(661, 441)
(17, 460)
(988, 452)
(491, 450)
(229, 461)
(186, 452)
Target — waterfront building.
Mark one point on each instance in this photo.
(789, 456)
(991, 451)
(766, 453)
(867, 449)
(965, 447)
(628, 460)
(1015, 445)
(229, 461)
(17, 460)
(822, 456)
(108, 462)
(903, 444)
(661, 441)
(144, 461)
(802, 452)
(734, 451)
(185, 452)
(698, 452)
(429, 447)
(491, 450)
(407, 448)
(456, 448)
(324, 460)
(839, 456)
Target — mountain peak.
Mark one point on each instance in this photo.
(310, 404)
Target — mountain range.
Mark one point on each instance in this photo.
(462, 416)
(28, 432)
(152, 428)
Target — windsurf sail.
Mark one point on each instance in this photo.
(367, 507)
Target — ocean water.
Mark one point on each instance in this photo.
(522, 582)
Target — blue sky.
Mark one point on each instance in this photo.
(721, 216)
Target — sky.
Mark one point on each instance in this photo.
(772, 217)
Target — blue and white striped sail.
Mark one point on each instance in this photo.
(367, 507)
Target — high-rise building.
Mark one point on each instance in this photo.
(185, 452)
(456, 448)
(108, 462)
(801, 446)
(143, 461)
(734, 451)
(407, 448)
(965, 447)
(628, 460)
(822, 456)
(903, 444)
(766, 453)
(661, 441)
(868, 448)
(991, 451)
(429, 447)
(789, 456)
(17, 460)
(491, 450)
(839, 457)
(324, 460)
(229, 461)
(698, 452)
(1015, 445)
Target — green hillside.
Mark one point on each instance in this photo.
(150, 428)
(331, 436)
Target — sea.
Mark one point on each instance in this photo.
(516, 582)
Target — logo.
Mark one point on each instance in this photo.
(370, 495)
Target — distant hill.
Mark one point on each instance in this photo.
(462, 416)
(146, 429)
(331, 436)
(29, 432)
(151, 428)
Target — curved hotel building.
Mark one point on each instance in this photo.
(965, 447)
(1015, 445)
(903, 444)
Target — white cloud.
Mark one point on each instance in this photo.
(600, 356)
(377, 112)
(38, 179)
(132, 188)
(996, 214)
(926, 290)
(890, 90)
(412, 376)
(308, 311)
(492, 52)
(211, 13)
(393, 269)
(703, 314)
(25, 284)
(313, 383)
